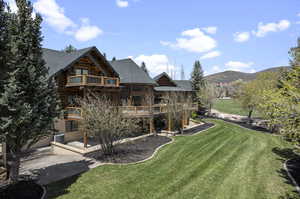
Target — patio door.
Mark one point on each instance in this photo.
(137, 100)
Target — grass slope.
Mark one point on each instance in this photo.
(232, 107)
(226, 161)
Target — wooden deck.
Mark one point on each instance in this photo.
(75, 113)
(92, 80)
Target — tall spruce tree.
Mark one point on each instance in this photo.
(143, 66)
(4, 43)
(197, 76)
(29, 96)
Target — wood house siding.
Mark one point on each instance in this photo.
(95, 67)
(130, 92)
(165, 81)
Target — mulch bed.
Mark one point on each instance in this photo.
(134, 151)
(293, 166)
(22, 190)
(197, 129)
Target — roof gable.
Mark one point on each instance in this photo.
(164, 79)
(57, 61)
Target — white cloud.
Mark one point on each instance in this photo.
(12, 5)
(252, 71)
(156, 63)
(86, 31)
(216, 69)
(210, 29)
(239, 66)
(264, 29)
(54, 15)
(211, 55)
(241, 36)
(122, 3)
(193, 40)
(212, 70)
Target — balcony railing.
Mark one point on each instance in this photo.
(74, 113)
(92, 80)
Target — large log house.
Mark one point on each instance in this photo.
(87, 70)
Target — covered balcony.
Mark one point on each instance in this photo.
(75, 113)
(92, 80)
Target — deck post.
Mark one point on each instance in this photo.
(169, 121)
(85, 140)
(4, 154)
(188, 118)
(151, 126)
(183, 119)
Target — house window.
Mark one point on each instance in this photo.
(72, 100)
(111, 81)
(137, 100)
(81, 71)
(71, 126)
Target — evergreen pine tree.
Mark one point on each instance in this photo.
(197, 77)
(29, 97)
(114, 59)
(69, 48)
(143, 66)
(4, 43)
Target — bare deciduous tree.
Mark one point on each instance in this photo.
(207, 96)
(176, 107)
(105, 122)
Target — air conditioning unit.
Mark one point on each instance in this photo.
(60, 138)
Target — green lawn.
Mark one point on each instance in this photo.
(232, 107)
(226, 161)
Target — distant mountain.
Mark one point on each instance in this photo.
(230, 76)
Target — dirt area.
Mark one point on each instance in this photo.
(197, 129)
(133, 151)
(293, 166)
(23, 189)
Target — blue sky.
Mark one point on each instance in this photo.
(238, 35)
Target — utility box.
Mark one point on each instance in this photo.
(60, 138)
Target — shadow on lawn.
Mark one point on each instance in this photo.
(285, 154)
(242, 123)
(59, 175)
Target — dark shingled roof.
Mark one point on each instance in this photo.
(181, 85)
(131, 73)
(58, 60)
(184, 84)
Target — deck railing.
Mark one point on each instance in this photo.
(73, 113)
(92, 80)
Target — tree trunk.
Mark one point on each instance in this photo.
(250, 114)
(14, 166)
